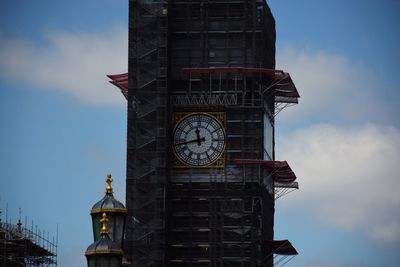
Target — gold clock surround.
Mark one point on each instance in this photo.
(178, 117)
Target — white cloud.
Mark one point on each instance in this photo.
(349, 177)
(72, 62)
(333, 88)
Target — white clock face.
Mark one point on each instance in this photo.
(199, 140)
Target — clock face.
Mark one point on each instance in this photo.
(199, 139)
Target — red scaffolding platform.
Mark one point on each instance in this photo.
(280, 85)
(280, 172)
(282, 251)
(121, 81)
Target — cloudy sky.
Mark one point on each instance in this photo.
(64, 126)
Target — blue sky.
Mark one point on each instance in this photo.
(64, 126)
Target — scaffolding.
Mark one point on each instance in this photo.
(271, 89)
(224, 86)
(278, 172)
(147, 132)
(220, 218)
(282, 251)
(22, 247)
(198, 56)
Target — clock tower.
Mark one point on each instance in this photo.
(203, 93)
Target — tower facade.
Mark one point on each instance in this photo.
(203, 94)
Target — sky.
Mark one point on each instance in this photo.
(64, 126)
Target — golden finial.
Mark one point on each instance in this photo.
(104, 221)
(109, 181)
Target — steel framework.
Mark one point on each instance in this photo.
(202, 56)
(147, 130)
(20, 246)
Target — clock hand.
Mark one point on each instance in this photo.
(191, 141)
(198, 137)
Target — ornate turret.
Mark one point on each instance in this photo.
(104, 251)
(116, 212)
